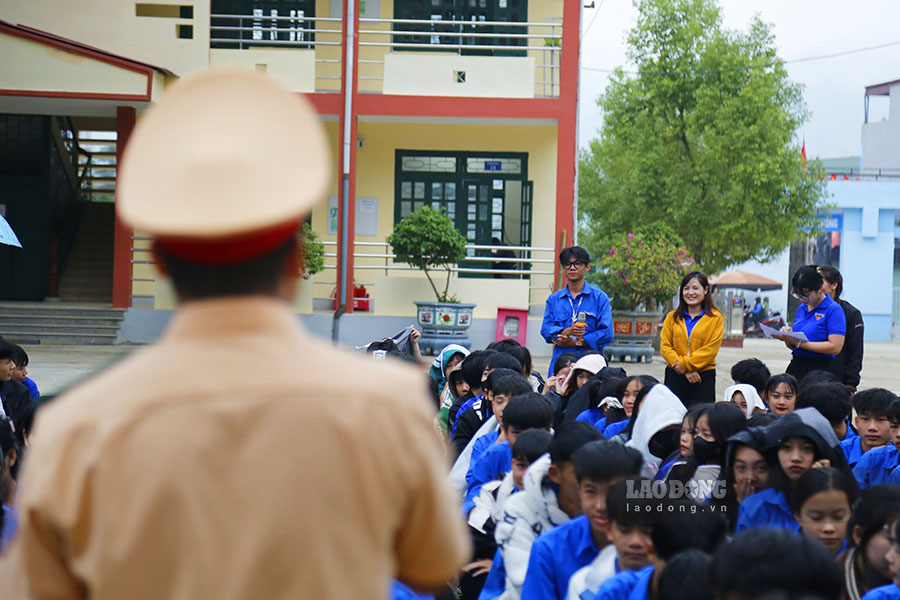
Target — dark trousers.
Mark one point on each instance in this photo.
(802, 365)
(692, 393)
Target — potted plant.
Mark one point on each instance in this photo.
(641, 271)
(428, 241)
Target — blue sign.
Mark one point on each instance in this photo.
(832, 222)
(493, 165)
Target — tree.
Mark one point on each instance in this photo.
(427, 239)
(312, 252)
(702, 138)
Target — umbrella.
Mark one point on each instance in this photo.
(7, 235)
(744, 281)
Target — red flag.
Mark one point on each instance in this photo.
(803, 153)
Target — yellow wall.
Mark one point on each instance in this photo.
(421, 74)
(376, 180)
(295, 68)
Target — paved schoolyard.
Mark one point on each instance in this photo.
(56, 367)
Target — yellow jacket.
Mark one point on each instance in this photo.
(697, 353)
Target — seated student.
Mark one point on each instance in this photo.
(13, 394)
(746, 468)
(795, 443)
(822, 503)
(752, 371)
(551, 498)
(656, 426)
(686, 440)
(499, 388)
(528, 410)
(603, 396)
(705, 467)
(472, 369)
(678, 525)
(815, 378)
(585, 398)
(525, 413)
(832, 399)
(629, 394)
(686, 577)
(890, 591)
(20, 372)
(582, 371)
(630, 549)
(768, 563)
(879, 464)
(746, 397)
(557, 554)
(9, 467)
(521, 354)
(872, 421)
(489, 432)
(864, 565)
(780, 394)
(455, 389)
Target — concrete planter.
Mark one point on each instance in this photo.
(443, 323)
(634, 334)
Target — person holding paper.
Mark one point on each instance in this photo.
(820, 318)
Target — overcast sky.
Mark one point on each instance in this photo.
(834, 87)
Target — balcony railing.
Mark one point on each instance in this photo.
(378, 37)
(863, 175)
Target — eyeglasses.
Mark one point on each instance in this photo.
(802, 298)
(577, 264)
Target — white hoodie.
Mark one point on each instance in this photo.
(661, 408)
(526, 515)
(586, 581)
(751, 396)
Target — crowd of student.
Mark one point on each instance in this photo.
(600, 484)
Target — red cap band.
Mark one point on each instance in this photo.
(228, 250)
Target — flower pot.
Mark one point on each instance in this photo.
(443, 323)
(634, 332)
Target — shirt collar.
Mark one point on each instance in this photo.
(586, 289)
(584, 541)
(687, 316)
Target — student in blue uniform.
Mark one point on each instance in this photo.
(680, 525)
(602, 395)
(746, 467)
(499, 388)
(890, 591)
(780, 394)
(832, 400)
(20, 371)
(633, 387)
(872, 422)
(877, 465)
(864, 565)
(557, 554)
(686, 441)
(773, 563)
(796, 443)
(525, 411)
(820, 318)
(822, 504)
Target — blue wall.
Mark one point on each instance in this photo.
(867, 249)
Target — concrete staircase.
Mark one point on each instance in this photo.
(88, 272)
(59, 323)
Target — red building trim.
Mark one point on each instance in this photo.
(122, 237)
(78, 95)
(327, 104)
(566, 141)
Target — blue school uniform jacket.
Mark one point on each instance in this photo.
(594, 416)
(627, 585)
(555, 556)
(492, 464)
(482, 444)
(876, 465)
(615, 429)
(495, 584)
(768, 508)
(885, 592)
(852, 450)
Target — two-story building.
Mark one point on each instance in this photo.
(468, 106)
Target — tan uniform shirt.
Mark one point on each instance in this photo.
(237, 458)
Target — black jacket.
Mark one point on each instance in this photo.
(16, 398)
(468, 424)
(847, 365)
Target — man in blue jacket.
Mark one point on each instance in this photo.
(561, 326)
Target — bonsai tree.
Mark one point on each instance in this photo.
(644, 267)
(312, 252)
(427, 240)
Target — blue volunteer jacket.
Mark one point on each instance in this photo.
(885, 592)
(875, 466)
(555, 556)
(627, 585)
(594, 416)
(615, 429)
(559, 313)
(495, 584)
(492, 464)
(852, 448)
(768, 508)
(482, 444)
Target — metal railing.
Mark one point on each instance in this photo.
(863, 175)
(543, 40)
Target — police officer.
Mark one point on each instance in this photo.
(235, 458)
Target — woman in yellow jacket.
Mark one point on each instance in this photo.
(691, 336)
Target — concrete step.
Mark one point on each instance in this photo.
(30, 309)
(30, 338)
(56, 329)
(51, 320)
(59, 323)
